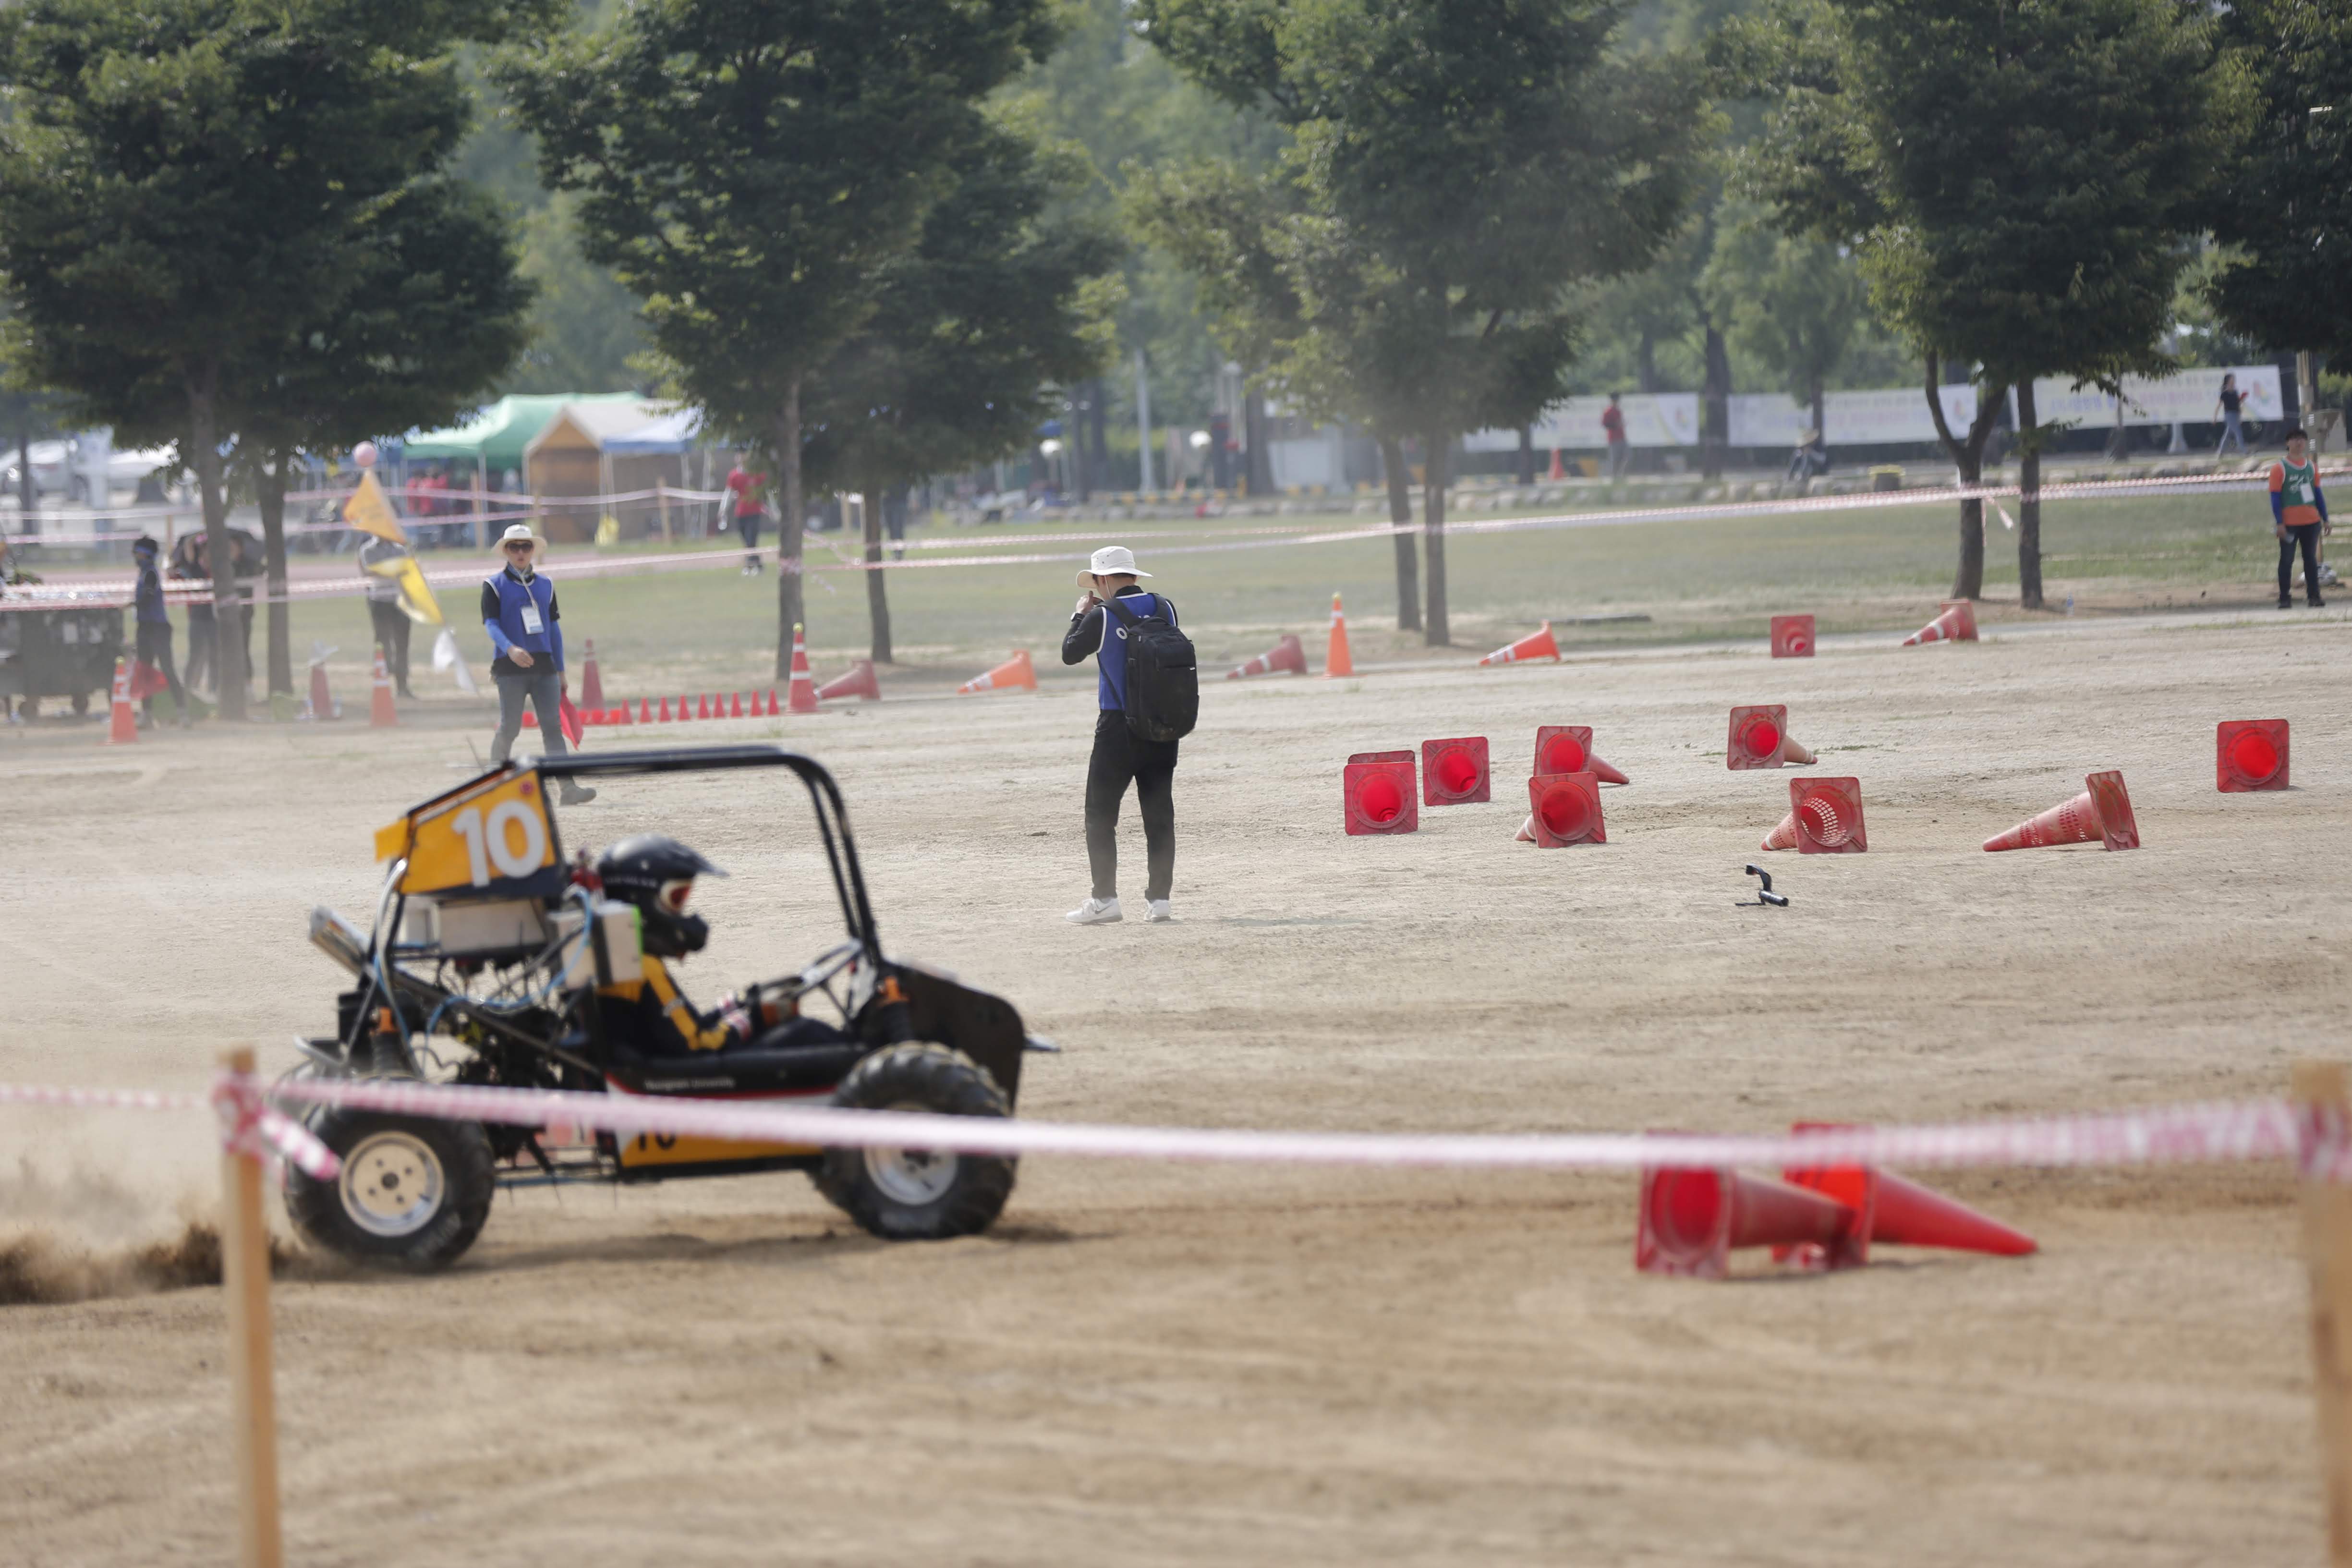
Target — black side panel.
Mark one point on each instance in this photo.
(986, 1029)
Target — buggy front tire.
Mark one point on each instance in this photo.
(412, 1195)
(919, 1195)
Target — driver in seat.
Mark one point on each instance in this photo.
(652, 1016)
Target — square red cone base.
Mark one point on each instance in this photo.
(1454, 772)
(1829, 816)
(1756, 738)
(2118, 828)
(1566, 809)
(1377, 793)
(1564, 749)
(2249, 754)
(1792, 637)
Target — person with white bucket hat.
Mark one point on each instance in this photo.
(1119, 756)
(519, 612)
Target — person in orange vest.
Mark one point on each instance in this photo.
(2299, 516)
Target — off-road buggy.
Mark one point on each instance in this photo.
(483, 967)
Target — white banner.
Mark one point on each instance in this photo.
(2190, 397)
(1652, 419)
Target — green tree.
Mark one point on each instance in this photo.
(2022, 180)
(1795, 305)
(182, 179)
(1007, 293)
(749, 167)
(1462, 165)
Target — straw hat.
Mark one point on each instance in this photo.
(1111, 560)
(520, 531)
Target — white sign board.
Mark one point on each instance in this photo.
(2188, 397)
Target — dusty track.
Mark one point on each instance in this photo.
(1150, 1365)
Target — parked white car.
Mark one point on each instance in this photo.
(55, 471)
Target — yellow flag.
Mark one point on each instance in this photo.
(416, 600)
(370, 512)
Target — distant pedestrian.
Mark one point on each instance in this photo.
(751, 513)
(1613, 431)
(2228, 407)
(1810, 457)
(153, 648)
(2299, 516)
(518, 611)
(389, 621)
(1119, 756)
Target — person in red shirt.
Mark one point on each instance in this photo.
(1612, 430)
(751, 512)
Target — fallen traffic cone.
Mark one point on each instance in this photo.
(1336, 661)
(1563, 809)
(1956, 623)
(1286, 656)
(1824, 817)
(2249, 754)
(122, 722)
(382, 714)
(1535, 645)
(1902, 1212)
(1454, 773)
(1377, 793)
(1691, 1219)
(1783, 835)
(323, 706)
(2102, 811)
(1792, 637)
(591, 684)
(1567, 749)
(1759, 739)
(1015, 674)
(859, 683)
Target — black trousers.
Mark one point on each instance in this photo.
(392, 635)
(155, 649)
(2307, 535)
(1117, 758)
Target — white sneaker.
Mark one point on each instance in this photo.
(1156, 912)
(1094, 913)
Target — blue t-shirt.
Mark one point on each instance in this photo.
(1110, 659)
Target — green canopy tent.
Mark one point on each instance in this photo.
(495, 438)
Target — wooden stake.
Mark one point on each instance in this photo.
(2328, 1253)
(244, 1286)
(661, 496)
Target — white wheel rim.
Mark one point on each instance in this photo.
(911, 1176)
(392, 1184)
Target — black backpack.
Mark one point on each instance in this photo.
(1163, 676)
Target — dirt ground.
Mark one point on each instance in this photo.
(1154, 1364)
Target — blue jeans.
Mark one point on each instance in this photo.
(2231, 431)
(542, 688)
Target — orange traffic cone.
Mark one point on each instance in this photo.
(1792, 637)
(382, 714)
(684, 708)
(1759, 739)
(737, 710)
(801, 695)
(1783, 835)
(122, 722)
(322, 701)
(663, 716)
(1015, 674)
(645, 709)
(1535, 645)
(1286, 656)
(2249, 754)
(2102, 812)
(1567, 749)
(1956, 623)
(775, 709)
(1903, 1213)
(1454, 772)
(1337, 659)
(859, 683)
(1376, 793)
(1690, 1221)
(591, 684)
(701, 707)
(1559, 470)
(1564, 809)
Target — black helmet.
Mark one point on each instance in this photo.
(656, 872)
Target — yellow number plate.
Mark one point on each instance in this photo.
(662, 1149)
(494, 836)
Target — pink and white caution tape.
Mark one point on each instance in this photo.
(251, 1126)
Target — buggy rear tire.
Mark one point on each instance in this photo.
(412, 1195)
(916, 1195)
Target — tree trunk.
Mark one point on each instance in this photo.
(1098, 435)
(1527, 470)
(1408, 569)
(1645, 362)
(1432, 533)
(270, 475)
(2029, 498)
(228, 605)
(878, 592)
(1715, 420)
(1261, 459)
(25, 467)
(1082, 467)
(1968, 457)
(790, 528)
(1821, 402)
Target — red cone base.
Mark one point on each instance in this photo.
(1828, 813)
(1286, 657)
(1567, 749)
(1691, 1220)
(1792, 637)
(1454, 773)
(1565, 809)
(1377, 793)
(2250, 754)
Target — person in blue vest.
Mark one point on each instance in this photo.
(1119, 756)
(519, 612)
